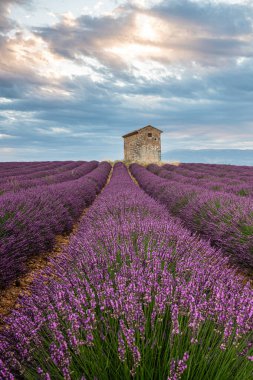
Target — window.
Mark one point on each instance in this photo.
(149, 134)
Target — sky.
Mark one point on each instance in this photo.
(77, 75)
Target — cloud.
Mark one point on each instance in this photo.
(54, 131)
(6, 23)
(5, 136)
(75, 87)
(217, 18)
(170, 32)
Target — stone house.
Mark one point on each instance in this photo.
(143, 145)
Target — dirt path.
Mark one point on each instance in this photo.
(9, 296)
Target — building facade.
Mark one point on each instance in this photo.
(143, 145)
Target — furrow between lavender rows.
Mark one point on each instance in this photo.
(135, 295)
(31, 219)
(225, 219)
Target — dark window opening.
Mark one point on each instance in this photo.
(149, 134)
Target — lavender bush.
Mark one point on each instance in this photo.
(30, 219)
(135, 295)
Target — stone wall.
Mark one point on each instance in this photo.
(142, 147)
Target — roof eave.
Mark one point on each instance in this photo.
(130, 134)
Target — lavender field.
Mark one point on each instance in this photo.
(155, 283)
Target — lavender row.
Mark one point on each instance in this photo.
(222, 170)
(67, 173)
(242, 186)
(43, 170)
(135, 296)
(225, 176)
(26, 170)
(39, 171)
(225, 219)
(30, 219)
(17, 165)
(12, 166)
(237, 185)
